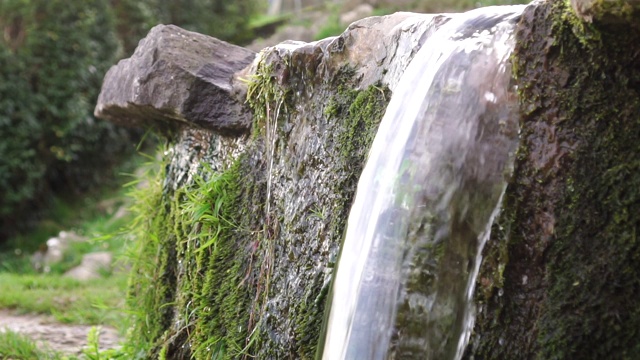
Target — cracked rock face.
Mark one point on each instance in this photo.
(178, 77)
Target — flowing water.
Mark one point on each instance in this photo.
(427, 198)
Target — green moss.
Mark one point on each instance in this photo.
(210, 299)
(361, 112)
(623, 10)
(186, 290)
(569, 223)
(585, 32)
(266, 96)
(211, 245)
(591, 309)
(152, 279)
(350, 118)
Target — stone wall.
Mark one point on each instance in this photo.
(240, 236)
(560, 276)
(249, 270)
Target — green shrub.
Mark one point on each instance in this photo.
(53, 56)
(133, 20)
(223, 19)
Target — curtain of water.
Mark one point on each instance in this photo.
(427, 197)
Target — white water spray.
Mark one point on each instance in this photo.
(427, 198)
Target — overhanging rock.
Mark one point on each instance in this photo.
(177, 76)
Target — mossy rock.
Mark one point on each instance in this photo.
(560, 275)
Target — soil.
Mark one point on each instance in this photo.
(64, 338)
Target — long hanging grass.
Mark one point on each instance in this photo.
(142, 252)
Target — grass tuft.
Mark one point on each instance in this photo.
(14, 346)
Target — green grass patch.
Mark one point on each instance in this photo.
(70, 301)
(94, 302)
(15, 346)
(99, 218)
(19, 347)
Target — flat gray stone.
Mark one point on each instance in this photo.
(177, 77)
(91, 266)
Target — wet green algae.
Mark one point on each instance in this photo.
(209, 252)
(561, 274)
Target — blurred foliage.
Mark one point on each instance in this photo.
(223, 19)
(436, 6)
(133, 20)
(333, 27)
(53, 57)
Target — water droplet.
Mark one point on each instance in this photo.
(491, 97)
(500, 292)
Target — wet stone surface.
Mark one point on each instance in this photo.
(299, 171)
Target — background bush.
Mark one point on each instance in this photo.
(53, 57)
(223, 19)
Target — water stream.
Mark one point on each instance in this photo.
(427, 198)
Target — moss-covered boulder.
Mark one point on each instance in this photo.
(561, 275)
(238, 237)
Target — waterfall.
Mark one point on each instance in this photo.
(427, 198)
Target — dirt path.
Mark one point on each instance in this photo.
(69, 339)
